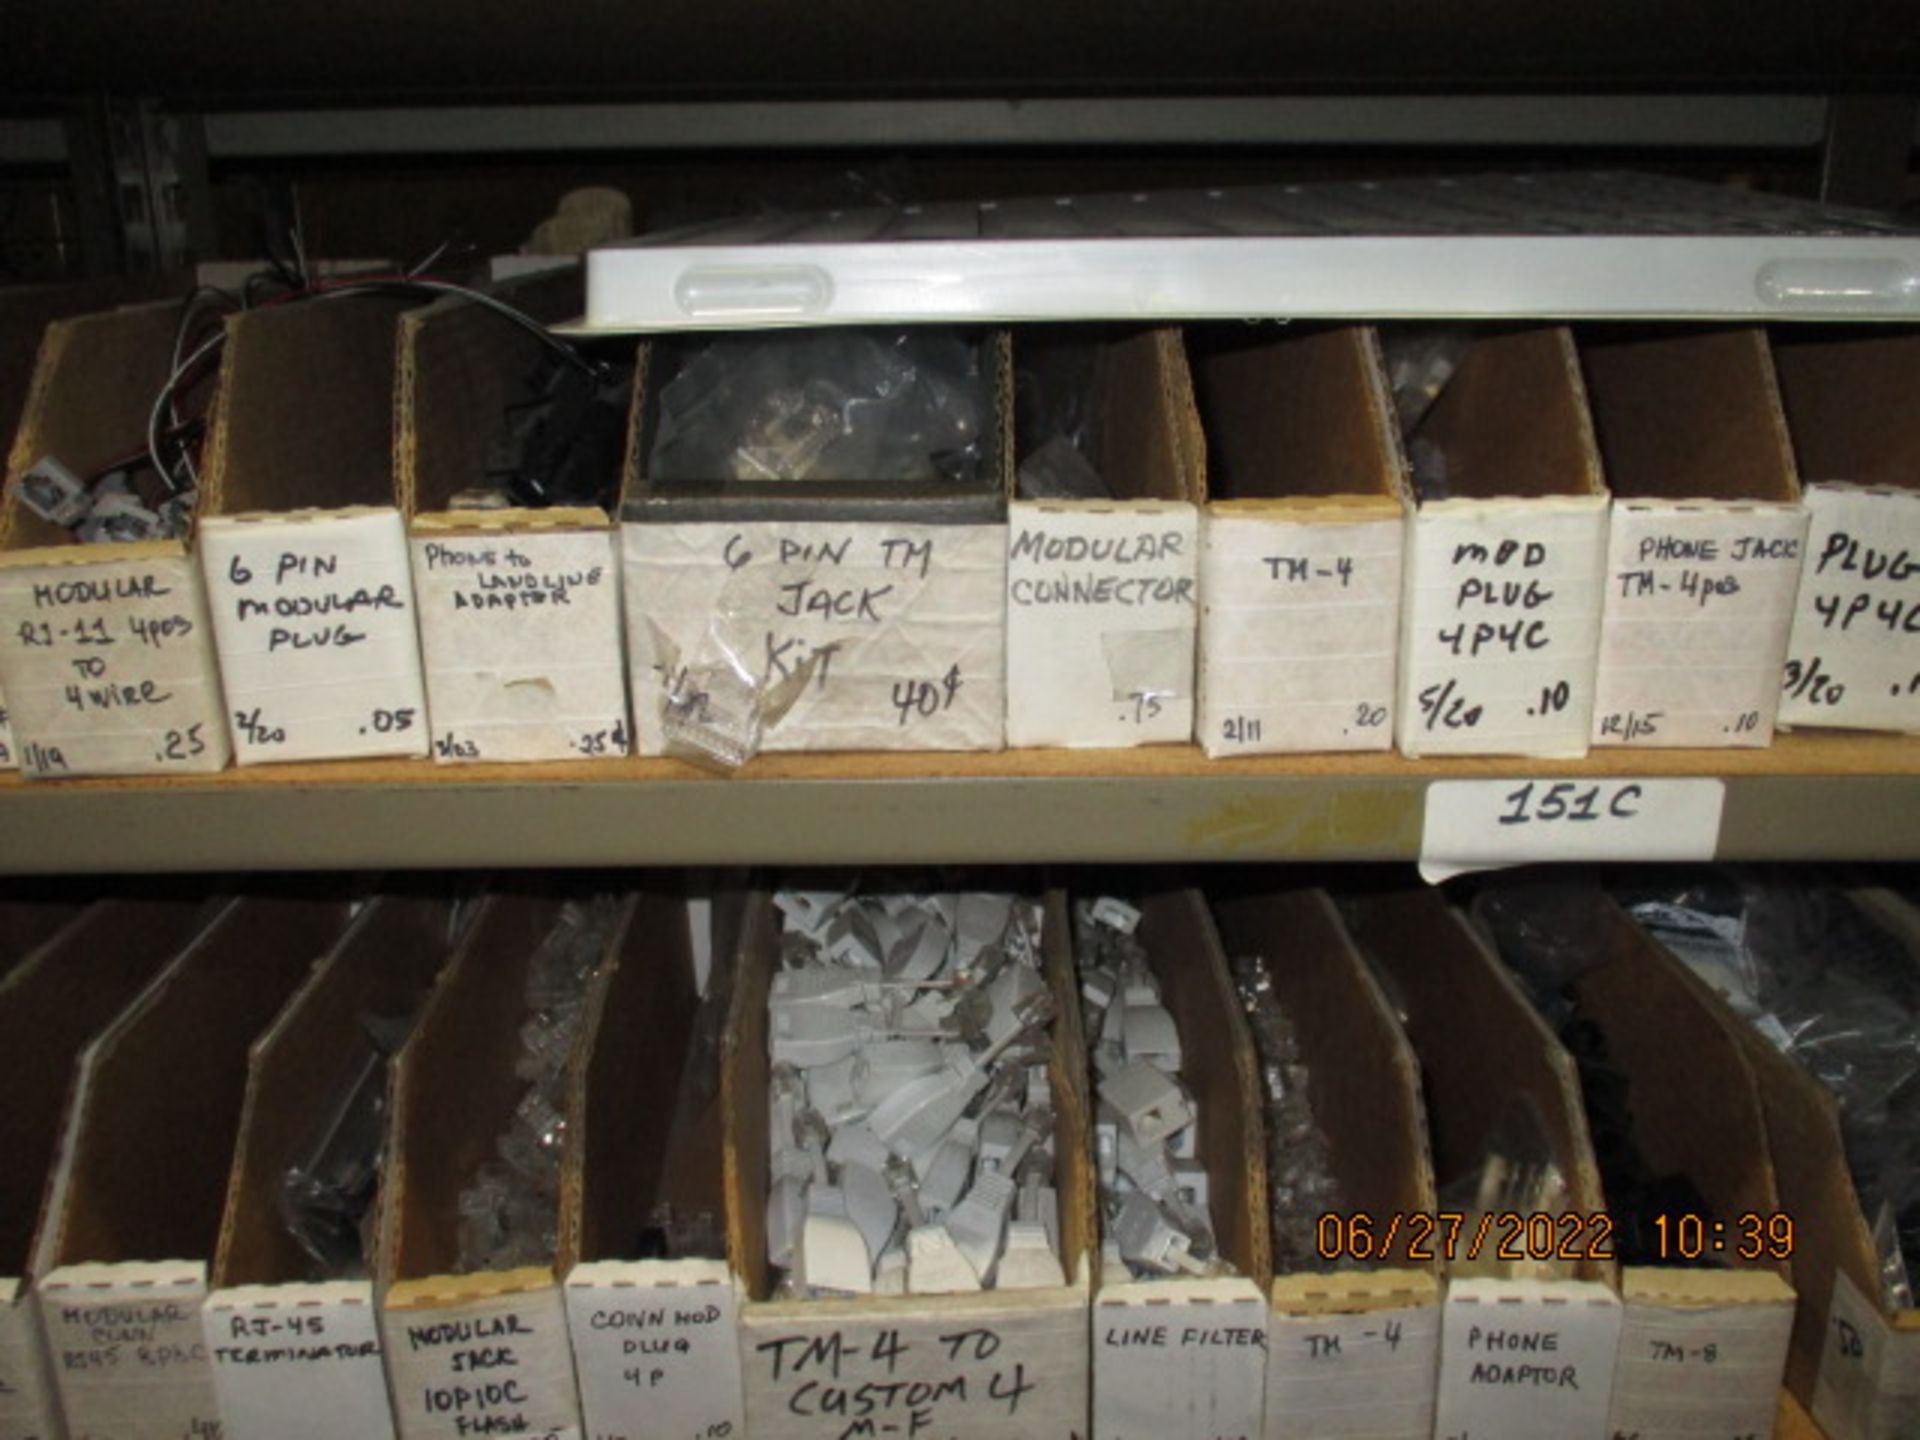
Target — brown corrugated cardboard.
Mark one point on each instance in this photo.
(1187, 1357)
(133, 1211)
(1103, 596)
(882, 607)
(1853, 659)
(295, 1355)
(1500, 619)
(519, 609)
(1521, 1355)
(301, 540)
(51, 1006)
(105, 650)
(656, 1342)
(1302, 542)
(1705, 540)
(1355, 1350)
(971, 1366)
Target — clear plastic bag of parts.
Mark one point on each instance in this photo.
(1827, 984)
(1515, 1174)
(509, 1211)
(1056, 389)
(1421, 360)
(1301, 1185)
(828, 405)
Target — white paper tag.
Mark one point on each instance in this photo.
(656, 1344)
(904, 627)
(1523, 1359)
(109, 668)
(966, 1371)
(1180, 1366)
(1368, 1376)
(1708, 1371)
(28, 1410)
(520, 634)
(1501, 626)
(1868, 1387)
(1101, 617)
(128, 1350)
(1299, 634)
(298, 1362)
(318, 649)
(1854, 658)
(1486, 824)
(1695, 629)
(496, 1366)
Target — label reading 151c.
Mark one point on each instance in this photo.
(1483, 824)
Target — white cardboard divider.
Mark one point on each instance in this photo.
(1688, 1370)
(1299, 632)
(656, 1344)
(1501, 626)
(520, 634)
(904, 625)
(1869, 1381)
(1700, 596)
(109, 665)
(1522, 1359)
(29, 1408)
(1101, 619)
(313, 612)
(495, 1364)
(128, 1350)
(1365, 1375)
(1179, 1360)
(1854, 656)
(298, 1362)
(972, 1367)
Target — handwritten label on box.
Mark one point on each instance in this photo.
(1299, 634)
(128, 1351)
(494, 1366)
(520, 634)
(656, 1344)
(1183, 1367)
(1854, 657)
(961, 1372)
(897, 632)
(1520, 1359)
(27, 1405)
(1868, 1387)
(1693, 1370)
(315, 622)
(1369, 1376)
(109, 668)
(1501, 627)
(1698, 605)
(1102, 608)
(1486, 824)
(298, 1362)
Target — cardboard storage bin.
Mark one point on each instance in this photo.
(814, 615)
(1301, 541)
(133, 1211)
(1705, 540)
(1103, 595)
(51, 1006)
(1500, 618)
(105, 652)
(301, 539)
(519, 609)
(28, 921)
(482, 1352)
(1703, 1340)
(1184, 1356)
(1853, 659)
(656, 1341)
(297, 1356)
(1353, 1350)
(1520, 1356)
(992, 1363)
